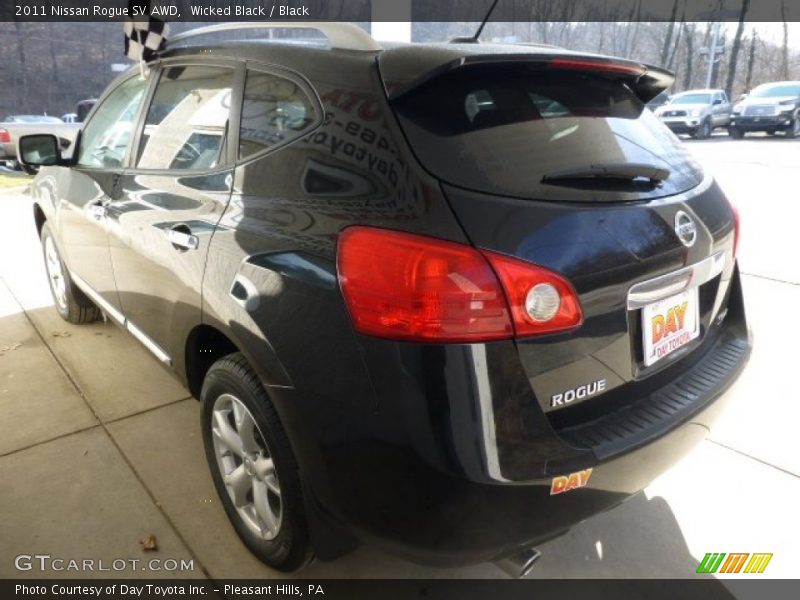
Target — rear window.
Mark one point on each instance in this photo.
(503, 128)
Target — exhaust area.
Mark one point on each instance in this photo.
(520, 563)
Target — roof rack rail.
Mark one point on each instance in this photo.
(344, 36)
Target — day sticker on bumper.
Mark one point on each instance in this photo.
(565, 483)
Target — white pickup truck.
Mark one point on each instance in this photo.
(696, 112)
(13, 127)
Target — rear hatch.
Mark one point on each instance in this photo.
(553, 158)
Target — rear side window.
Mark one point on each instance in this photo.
(275, 111)
(503, 128)
(187, 120)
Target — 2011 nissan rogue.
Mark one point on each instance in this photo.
(450, 298)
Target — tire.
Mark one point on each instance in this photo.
(70, 302)
(735, 133)
(794, 130)
(770, 132)
(703, 132)
(260, 458)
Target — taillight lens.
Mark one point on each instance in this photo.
(415, 288)
(541, 301)
(410, 287)
(5, 137)
(736, 227)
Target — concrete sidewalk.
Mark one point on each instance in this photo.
(100, 447)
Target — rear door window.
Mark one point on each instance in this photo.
(188, 118)
(275, 111)
(504, 128)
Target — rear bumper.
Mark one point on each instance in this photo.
(412, 476)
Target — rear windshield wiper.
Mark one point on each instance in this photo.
(632, 172)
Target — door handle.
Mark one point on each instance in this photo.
(181, 238)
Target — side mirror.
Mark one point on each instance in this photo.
(717, 101)
(39, 150)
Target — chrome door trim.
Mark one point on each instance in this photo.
(117, 316)
(101, 302)
(148, 343)
(664, 286)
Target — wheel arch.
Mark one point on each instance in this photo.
(204, 346)
(39, 218)
(207, 342)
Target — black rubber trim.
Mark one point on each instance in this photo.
(653, 415)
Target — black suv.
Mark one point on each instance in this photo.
(449, 298)
(771, 107)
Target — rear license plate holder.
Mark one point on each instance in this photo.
(670, 324)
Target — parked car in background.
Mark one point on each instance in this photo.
(13, 127)
(771, 107)
(696, 112)
(31, 119)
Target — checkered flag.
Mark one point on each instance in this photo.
(144, 36)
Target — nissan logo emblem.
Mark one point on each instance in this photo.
(685, 229)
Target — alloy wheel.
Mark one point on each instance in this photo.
(246, 467)
(55, 273)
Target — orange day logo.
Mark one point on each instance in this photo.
(672, 322)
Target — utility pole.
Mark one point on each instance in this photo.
(715, 52)
(712, 53)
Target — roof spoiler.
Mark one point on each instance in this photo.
(342, 36)
(646, 81)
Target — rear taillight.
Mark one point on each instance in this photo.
(541, 301)
(5, 137)
(736, 227)
(410, 287)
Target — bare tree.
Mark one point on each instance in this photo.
(737, 40)
(677, 43)
(602, 39)
(53, 80)
(670, 30)
(750, 60)
(22, 70)
(635, 36)
(687, 76)
(785, 46)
